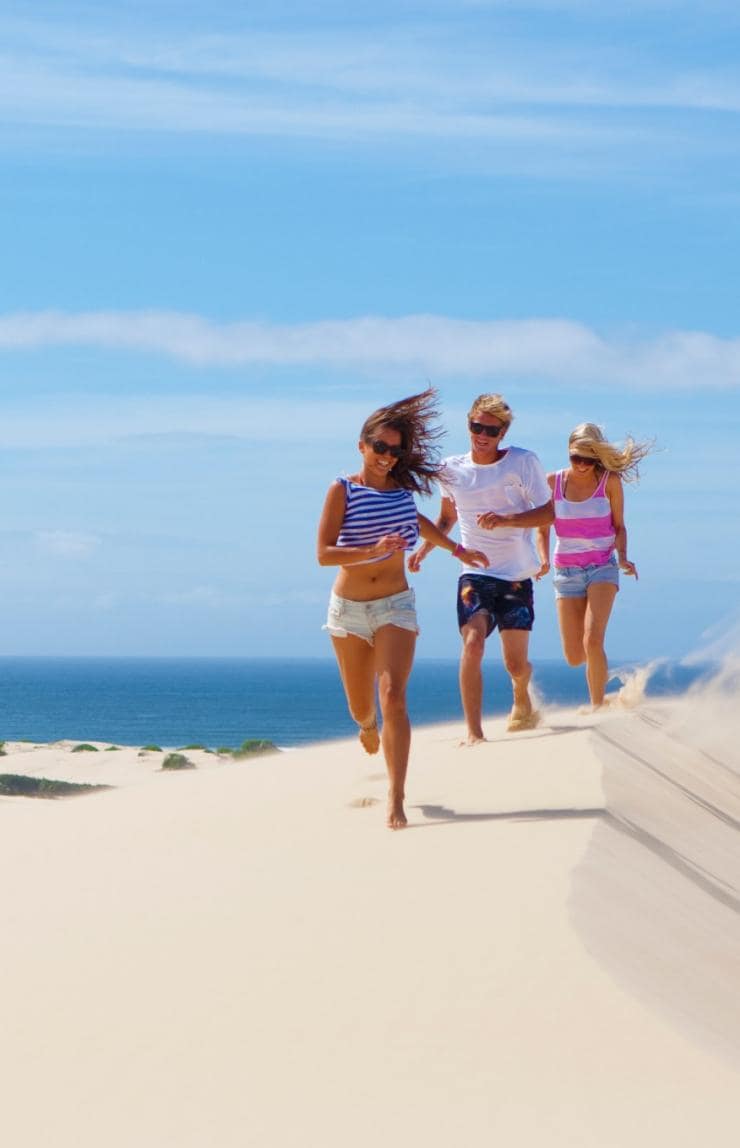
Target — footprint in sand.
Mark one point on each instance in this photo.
(361, 802)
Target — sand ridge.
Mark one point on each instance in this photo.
(243, 954)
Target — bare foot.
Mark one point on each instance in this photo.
(396, 816)
(594, 707)
(521, 718)
(369, 737)
(472, 739)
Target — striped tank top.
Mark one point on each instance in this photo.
(585, 530)
(369, 514)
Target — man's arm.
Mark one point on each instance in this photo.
(538, 516)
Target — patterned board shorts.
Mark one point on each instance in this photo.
(363, 619)
(574, 581)
(509, 605)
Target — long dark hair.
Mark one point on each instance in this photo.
(413, 418)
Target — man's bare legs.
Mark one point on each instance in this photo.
(515, 650)
(394, 657)
(473, 635)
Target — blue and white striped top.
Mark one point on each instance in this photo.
(370, 513)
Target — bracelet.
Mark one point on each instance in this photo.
(458, 551)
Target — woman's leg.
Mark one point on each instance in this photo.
(571, 618)
(394, 657)
(356, 660)
(600, 599)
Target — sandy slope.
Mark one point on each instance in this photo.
(244, 955)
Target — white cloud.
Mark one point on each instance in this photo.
(436, 80)
(73, 420)
(66, 543)
(545, 350)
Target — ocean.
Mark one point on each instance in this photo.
(223, 701)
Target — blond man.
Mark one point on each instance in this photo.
(498, 494)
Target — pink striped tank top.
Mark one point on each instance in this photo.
(585, 530)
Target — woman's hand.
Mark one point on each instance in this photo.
(415, 560)
(543, 570)
(628, 567)
(390, 543)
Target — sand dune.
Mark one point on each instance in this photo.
(244, 955)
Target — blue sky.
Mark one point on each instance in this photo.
(228, 232)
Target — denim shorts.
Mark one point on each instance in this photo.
(363, 619)
(574, 581)
(508, 605)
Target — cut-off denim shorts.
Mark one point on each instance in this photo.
(363, 619)
(574, 581)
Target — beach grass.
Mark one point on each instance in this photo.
(177, 761)
(253, 746)
(18, 785)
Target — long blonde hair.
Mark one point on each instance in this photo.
(589, 440)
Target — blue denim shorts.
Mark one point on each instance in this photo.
(363, 619)
(574, 581)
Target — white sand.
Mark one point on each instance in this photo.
(243, 955)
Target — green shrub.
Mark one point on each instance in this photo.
(3, 751)
(18, 785)
(177, 761)
(253, 746)
(112, 747)
(151, 749)
(84, 747)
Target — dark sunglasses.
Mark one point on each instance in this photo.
(481, 428)
(381, 447)
(581, 458)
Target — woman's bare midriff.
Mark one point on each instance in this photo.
(372, 580)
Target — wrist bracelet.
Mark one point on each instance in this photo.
(458, 551)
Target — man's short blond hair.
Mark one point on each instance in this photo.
(494, 405)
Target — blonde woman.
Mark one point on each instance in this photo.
(591, 545)
(369, 520)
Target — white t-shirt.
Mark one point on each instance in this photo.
(516, 482)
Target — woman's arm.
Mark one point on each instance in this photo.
(445, 521)
(433, 536)
(330, 525)
(615, 494)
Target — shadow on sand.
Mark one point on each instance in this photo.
(441, 815)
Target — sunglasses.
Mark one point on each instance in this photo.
(481, 428)
(582, 459)
(381, 447)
